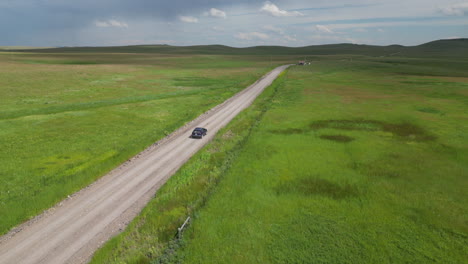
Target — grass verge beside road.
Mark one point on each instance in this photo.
(149, 235)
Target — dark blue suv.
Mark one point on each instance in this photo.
(199, 132)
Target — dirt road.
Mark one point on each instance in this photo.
(71, 231)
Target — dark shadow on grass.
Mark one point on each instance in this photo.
(405, 131)
(378, 169)
(337, 138)
(408, 131)
(429, 110)
(358, 124)
(317, 186)
(288, 131)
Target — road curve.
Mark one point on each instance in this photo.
(71, 231)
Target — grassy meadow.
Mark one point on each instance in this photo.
(66, 119)
(352, 159)
(355, 162)
(360, 157)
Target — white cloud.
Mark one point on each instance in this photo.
(289, 38)
(273, 29)
(453, 37)
(188, 19)
(282, 34)
(360, 30)
(218, 29)
(335, 28)
(272, 9)
(110, 23)
(323, 29)
(216, 13)
(252, 35)
(323, 39)
(150, 41)
(455, 10)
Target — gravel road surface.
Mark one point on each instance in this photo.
(71, 231)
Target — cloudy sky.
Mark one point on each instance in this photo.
(235, 23)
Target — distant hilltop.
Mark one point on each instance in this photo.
(444, 47)
(9, 48)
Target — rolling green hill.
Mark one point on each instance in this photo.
(446, 48)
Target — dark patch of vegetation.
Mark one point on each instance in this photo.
(429, 110)
(405, 130)
(377, 169)
(64, 62)
(288, 131)
(170, 254)
(421, 82)
(358, 124)
(317, 186)
(408, 131)
(394, 61)
(337, 138)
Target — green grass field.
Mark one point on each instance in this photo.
(360, 157)
(342, 161)
(355, 163)
(67, 119)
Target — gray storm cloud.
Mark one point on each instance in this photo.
(22, 20)
(243, 22)
(124, 8)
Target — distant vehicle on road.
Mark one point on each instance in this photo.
(199, 132)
